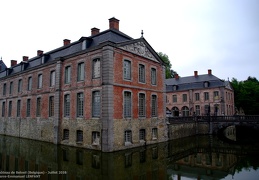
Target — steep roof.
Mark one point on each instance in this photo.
(84, 44)
(193, 82)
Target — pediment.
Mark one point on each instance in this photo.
(139, 48)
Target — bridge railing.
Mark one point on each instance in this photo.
(188, 119)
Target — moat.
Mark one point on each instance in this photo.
(197, 157)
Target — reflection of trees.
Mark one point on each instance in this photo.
(248, 162)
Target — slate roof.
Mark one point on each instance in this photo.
(2, 65)
(110, 35)
(192, 82)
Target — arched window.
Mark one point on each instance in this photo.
(175, 111)
(185, 111)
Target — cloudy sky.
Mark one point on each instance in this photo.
(197, 35)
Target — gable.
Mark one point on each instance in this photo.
(140, 48)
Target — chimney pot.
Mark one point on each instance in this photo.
(114, 23)
(176, 76)
(66, 42)
(25, 58)
(209, 71)
(95, 31)
(13, 63)
(39, 52)
(195, 73)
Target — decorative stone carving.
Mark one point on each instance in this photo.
(140, 49)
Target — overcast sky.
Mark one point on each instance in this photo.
(197, 35)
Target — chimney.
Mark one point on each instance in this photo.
(66, 42)
(39, 52)
(195, 73)
(95, 31)
(13, 63)
(114, 23)
(25, 58)
(176, 76)
(209, 72)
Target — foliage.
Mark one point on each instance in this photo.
(169, 73)
(247, 95)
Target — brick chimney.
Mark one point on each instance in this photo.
(95, 31)
(176, 76)
(66, 42)
(114, 23)
(39, 52)
(209, 72)
(25, 58)
(13, 63)
(195, 73)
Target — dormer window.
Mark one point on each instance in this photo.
(175, 87)
(206, 84)
(42, 60)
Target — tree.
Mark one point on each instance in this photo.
(247, 95)
(169, 73)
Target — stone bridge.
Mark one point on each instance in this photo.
(179, 127)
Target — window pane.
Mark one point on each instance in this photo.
(67, 105)
(28, 113)
(80, 104)
(141, 73)
(52, 78)
(96, 104)
(10, 109)
(154, 105)
(142, 105)
(127, 104)
(127, 69)
(40, 81)
(18, 108)
(67, 74)
(153, 76)
(80, 72)
(96, 68)
(19, 85)
(38, 108)
(51, 106)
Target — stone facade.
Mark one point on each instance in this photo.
(74, 95)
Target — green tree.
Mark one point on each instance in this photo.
(247, 95)
(169, 73)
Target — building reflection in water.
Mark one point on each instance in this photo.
(201, 157)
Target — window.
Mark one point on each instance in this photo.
(4, 89)
(11, 88)
(174, 98)
(28, 111)
(216, 95)
(154, 153)
(128, 159)
(197, 96)
(80, 104)
(127, 104)
(65, 134)
(154, 106)
(142, 156)
(67, 74)
(197, 110)
(10, 109)
(141, 71)
(20, 85)
(79, 136)
(79, 158)
(18, 108)
(206, 96)
(52, 78)
(29, 83)
(51, 106)
(207, 109)
(184, 97)
(206, 84)
(154, 133)
(96, 138)
(96, 68)
(153, 76)
(128, 137)
(80, 71)
(142, 134)
(3, 109)
(38, 107)
(142, 105)
(185, 111)
(67, 105)
(96, 104)
(127, 70)
(39, 81)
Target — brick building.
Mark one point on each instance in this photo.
(199, 94)
(103, 92)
